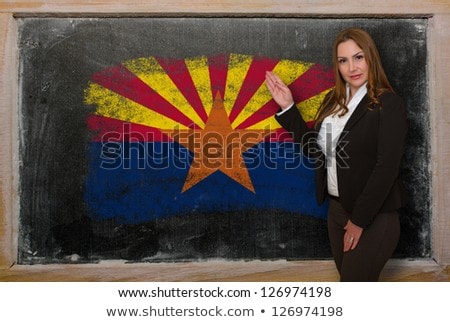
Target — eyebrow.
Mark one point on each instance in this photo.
(359, 52)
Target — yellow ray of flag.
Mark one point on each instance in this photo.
(113, 105)
(199, 71)
(151, 73)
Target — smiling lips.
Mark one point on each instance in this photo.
(354, 77)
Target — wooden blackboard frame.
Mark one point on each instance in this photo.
(438, 71)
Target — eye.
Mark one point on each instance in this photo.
(342, 60)
(359, 57)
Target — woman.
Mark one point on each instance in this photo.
(357, 145)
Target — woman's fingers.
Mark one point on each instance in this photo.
(352, 235)
(280, 92)
(274, 77)
(271, 82)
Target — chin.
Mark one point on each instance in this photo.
(357, 84)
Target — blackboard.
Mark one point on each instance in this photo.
(106, 151)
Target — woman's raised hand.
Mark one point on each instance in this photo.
(280, 92)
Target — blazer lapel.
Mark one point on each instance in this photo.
(359, 112)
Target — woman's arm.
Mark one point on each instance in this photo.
(290, 118)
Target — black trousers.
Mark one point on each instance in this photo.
(375, 247)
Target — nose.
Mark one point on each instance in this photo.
(351, 65)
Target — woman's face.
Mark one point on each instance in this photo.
(352, 65)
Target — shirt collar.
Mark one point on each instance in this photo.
(360, 93)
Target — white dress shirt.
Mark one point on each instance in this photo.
(329, 133)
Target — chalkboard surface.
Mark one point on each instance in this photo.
(118, 115)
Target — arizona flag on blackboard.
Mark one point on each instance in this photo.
(174, 137)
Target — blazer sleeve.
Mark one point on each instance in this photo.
(292, 122)
(390, 145)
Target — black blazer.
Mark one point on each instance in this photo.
(368, 156)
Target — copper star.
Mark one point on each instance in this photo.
(218, 147)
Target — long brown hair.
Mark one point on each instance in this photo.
(335, 100)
